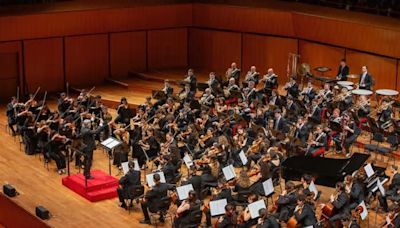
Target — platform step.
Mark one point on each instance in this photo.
(102, 194)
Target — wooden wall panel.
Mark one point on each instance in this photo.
(128, 52)
(348, 34)
(167, 48)
(86, 60)
(382, 69)
(214, 50)
(321, 55)
(268, 52)
(398, 76)
(94, 21)
(244, 19)
(12, 51)
(44, 64)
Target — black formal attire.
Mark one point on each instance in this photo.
(124, 115)
(280, 125)
(127, 184)
(270, 84)
(269, 222)
(286, 206)
(342, 73)
(236, 75)
(11, 117)
(306, 217)
(293, 90)
(153, 199)
(316, 115)
(356, 194)
(366, 81)
(302, 133)
(341, 207)
(321, 142)
(228, 222)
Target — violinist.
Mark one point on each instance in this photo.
(304, 212)
(64, 103)
(340, 202)
(150, 146)
(169, 170)
(195, 180)
(287, 202)
(127, 183)
(121, 151)
(229, 220)
(185, 210)
(243, 184)
(244, 219)
(124, 112)
(318, 143)
(266, 220)
(12, 114)
(392, 192)
(392, 219)
(55, 148)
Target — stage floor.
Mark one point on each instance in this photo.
(38, 185)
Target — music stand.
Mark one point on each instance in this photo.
(109, 145)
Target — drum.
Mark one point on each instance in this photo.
(349, 87)
(387, 92)
(362, 92)
(345, 83)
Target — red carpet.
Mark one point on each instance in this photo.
(102, 187)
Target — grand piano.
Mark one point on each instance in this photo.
(327, 171)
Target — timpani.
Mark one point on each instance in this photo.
(389, 93)
(345, 83)
(360, 92)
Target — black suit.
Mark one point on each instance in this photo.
(153, 199)
(341, 207)
(342, 73)
(128, 182)
(302, 133)
(306, 217)
(368, 81)
(356, 194)
(269, 222)
(280, 125)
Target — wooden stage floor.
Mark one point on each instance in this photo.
(38, 185)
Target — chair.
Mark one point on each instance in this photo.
(394, 144)
(195, 218)
(242, 196)
(163, 208)
(373, 147)
(135, 193)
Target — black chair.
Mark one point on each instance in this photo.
(162, 212)
(378, 138)
(241, 199)
(394, 144)
(135, 193)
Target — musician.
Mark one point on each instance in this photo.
(153, 197)
(393, 190)
(363, 108)
(168, 90)
(355, 190)
(385, 113)
(318, 144)
(301, 131)
(287, 202)
(366, 80)
(150, 146)
(234, 72)
(350, 133)
(304, 212)
(127, 183)
(326, 93)
(12, 114)
(184, 211)
(340, 203)
(315, 114)
(214, 84)
(350, 222)
(275, 99)
(392, 220)
(55, 147)
(169, 170)
(232, 86)
(192, 80)
(292, 88)
(271, 81)
(207, 98)
(344, 99)
(124, 112)
(229, 220)
(309, 93)
(343, 71)
(64, 103)
(244, 219)
(279, 121)
(291, 109)
(88, 138)
(266, 220)
(195, 180)
(252, 75)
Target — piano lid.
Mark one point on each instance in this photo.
(327, 171)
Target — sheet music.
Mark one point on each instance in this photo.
(136, 166)
(268, 187)
(369, 170)
(113, 144)
(380, 187)
(243, 157)
(107, 141)
(188, 161)
(217, 207)
(150, 181)
(110, 143)
(229, 172)
(364, 212)
(313, 188)
(125, 167)
(183, 191)
(255, 207)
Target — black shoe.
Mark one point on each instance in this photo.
(123, 206)
(144, 221)
(89, 177)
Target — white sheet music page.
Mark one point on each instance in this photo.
(229, 172)
(314, 189)
(217, 207)
(183, 191)
(125, 167)
(255, 207)
(364, 212)
(369, 170)
(243, 157)
(268, 187)
(150, 181)
(188, 161)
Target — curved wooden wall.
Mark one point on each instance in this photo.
(84, 47)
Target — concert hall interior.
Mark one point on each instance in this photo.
(200, 113)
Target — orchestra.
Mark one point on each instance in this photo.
(253, 125)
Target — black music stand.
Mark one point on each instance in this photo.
(109, 145)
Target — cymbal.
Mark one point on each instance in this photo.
(322, 69)
(353, 76)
